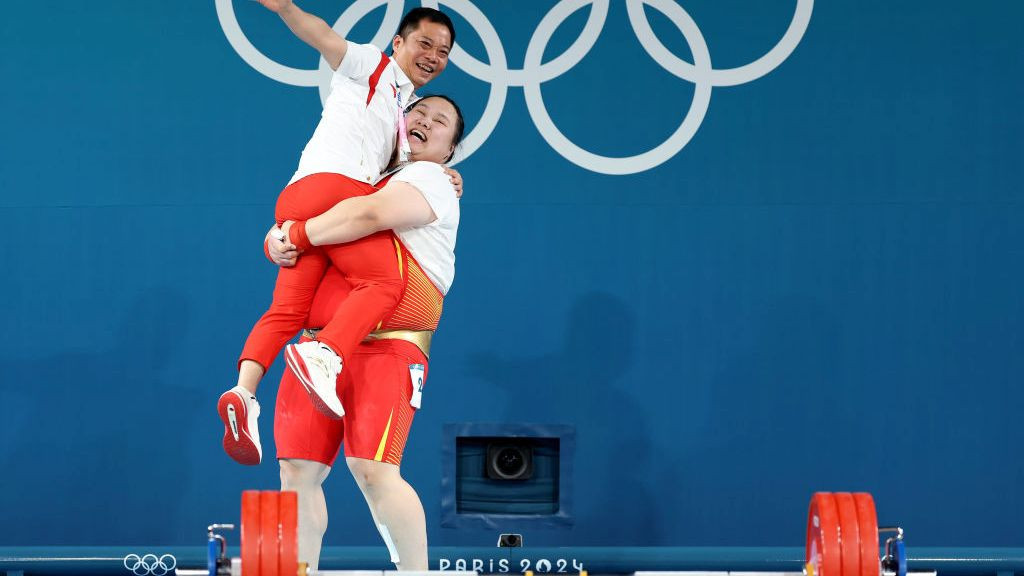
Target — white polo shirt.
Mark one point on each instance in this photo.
(433, 245)
(355, 138)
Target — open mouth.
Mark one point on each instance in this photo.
(425, 68)
(418, 135)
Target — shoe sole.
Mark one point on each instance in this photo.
(298, 367)
(243, 450)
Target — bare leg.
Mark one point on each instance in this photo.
(396, 509)
(306, 478)
(249, 375)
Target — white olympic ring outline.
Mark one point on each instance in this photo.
(535, 72)
(150, 564)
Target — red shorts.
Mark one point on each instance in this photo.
(375, 388)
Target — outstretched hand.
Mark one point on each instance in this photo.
(275, 5)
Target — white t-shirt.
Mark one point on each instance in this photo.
(433, 245)
(355, 138)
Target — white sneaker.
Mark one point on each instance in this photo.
(239, 411)
(317, 367)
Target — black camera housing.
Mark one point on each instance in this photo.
(510, 541)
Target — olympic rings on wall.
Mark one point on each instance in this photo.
(535, 72)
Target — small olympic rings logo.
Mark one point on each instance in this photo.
(150, 564)
(535, 72)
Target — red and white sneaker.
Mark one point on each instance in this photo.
(317, 367)
(239, 410)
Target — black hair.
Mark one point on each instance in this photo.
(460, 123)
(411, 21)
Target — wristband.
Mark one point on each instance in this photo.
(297, 236)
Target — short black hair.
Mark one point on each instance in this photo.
(460, 123)
(411, 21)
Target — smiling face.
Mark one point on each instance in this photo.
(423, 53)
(433, 126)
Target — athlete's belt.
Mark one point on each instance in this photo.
(421, 338)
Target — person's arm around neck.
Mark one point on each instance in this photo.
(311, 29)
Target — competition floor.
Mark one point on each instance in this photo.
(720, 561)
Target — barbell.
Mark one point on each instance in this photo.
(842, 538)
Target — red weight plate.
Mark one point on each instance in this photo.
(250, 533)
(823, 552)
(270, 535)
(870, 563)
(849, 533)
(288, 509)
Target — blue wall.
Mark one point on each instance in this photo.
(821, 290)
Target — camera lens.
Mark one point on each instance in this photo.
(510, 462)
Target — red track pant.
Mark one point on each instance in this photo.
(370, 265)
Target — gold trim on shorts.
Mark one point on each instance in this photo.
(420, 338)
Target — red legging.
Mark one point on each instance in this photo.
(369, 264)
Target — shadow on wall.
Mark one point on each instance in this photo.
(785, 407)
(93, 436)
(583, 384)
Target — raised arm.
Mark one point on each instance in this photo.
(397, 205)
(310, 29)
